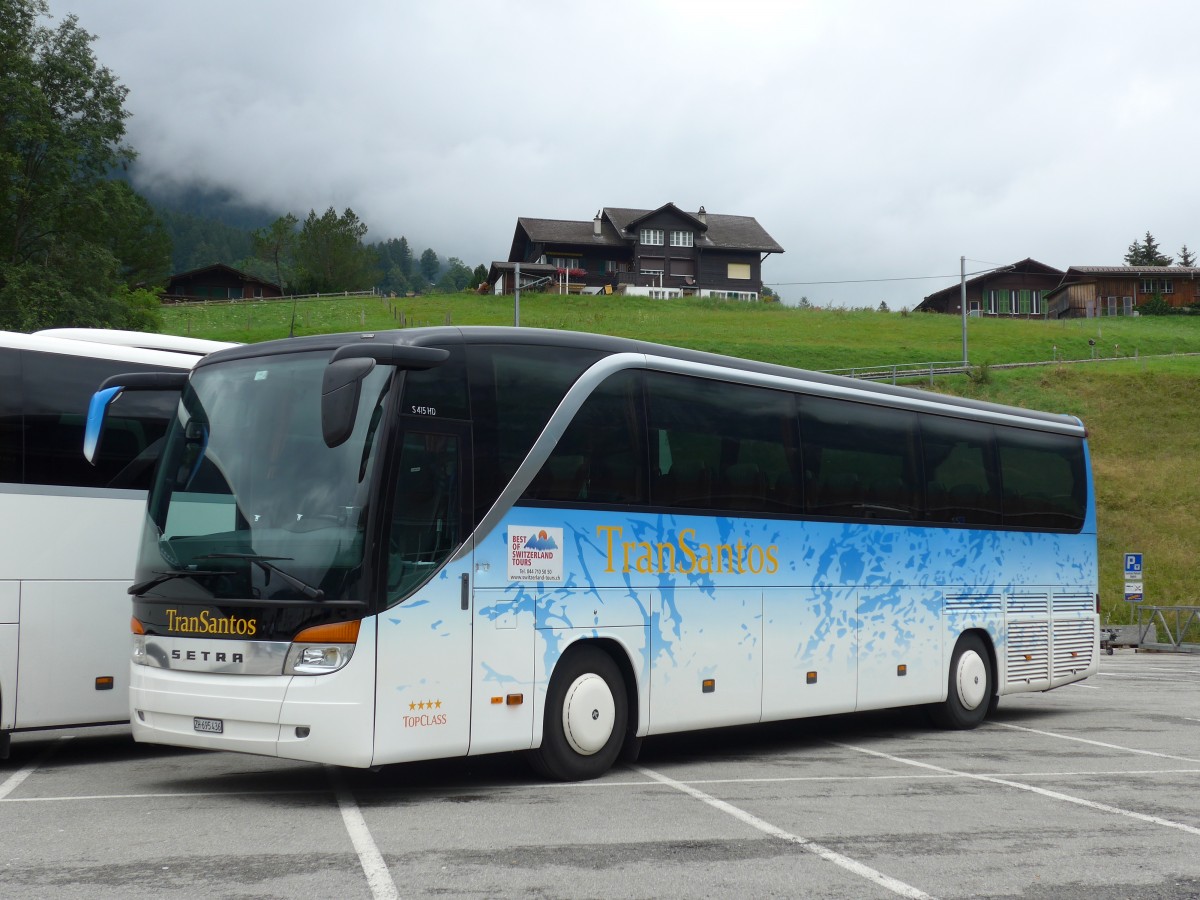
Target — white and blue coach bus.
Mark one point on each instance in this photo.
(70, 530)
(372, 548)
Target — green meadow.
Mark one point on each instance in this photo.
(1135, 388)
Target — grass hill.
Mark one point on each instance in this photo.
(1141, 403)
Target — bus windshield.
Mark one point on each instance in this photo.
(248, 501)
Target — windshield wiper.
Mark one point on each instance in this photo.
(265, 563)
(159, 577)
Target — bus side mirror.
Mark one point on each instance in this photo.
(97, 407)
(112, 388)
(340, 389)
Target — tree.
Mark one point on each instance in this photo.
(883, 307)
(456, 277)
(330, 255)
(276, 244)
(71, 239)
(430, 265)
(1146, 253)
(1185, 256)
(478, 276)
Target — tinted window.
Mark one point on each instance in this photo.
(860, 461)
(1044, 478)
(10, 416)
(514, 390)
(440, 392)
(425, 524)
(721, 446)
(601, 457)
(57, 391)
(962, 483)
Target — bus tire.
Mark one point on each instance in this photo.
(585, 720)
(970, 687)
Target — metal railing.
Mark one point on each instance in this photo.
(902, 370)
(1180, 625)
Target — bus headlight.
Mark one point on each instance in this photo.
(321, 649)
(316, 659)
(139, 643)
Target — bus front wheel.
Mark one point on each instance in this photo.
(971, 686)
(586, 717)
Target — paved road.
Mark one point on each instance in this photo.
(1091, 791)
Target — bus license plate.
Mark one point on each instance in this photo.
(209, 726)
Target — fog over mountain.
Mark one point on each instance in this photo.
(873, 140)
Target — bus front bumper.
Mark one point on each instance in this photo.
(289, 716)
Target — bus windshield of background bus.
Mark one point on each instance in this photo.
(246, 480)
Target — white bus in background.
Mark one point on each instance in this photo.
(71, 529)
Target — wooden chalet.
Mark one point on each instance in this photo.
(1088, 291)
(1016, 290)
(664, 252)
(218, 282)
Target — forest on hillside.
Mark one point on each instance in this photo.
(323, 252)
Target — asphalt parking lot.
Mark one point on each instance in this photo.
(1090, 791)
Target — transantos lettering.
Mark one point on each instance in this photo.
(207, 623)
(687, 556)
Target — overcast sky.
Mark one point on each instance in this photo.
(872, 140)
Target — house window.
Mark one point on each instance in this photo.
(1036, 298)
(565, 262)
(681, 239)
(611, 267)
(1147, 286)
(651, 265)
(739, 271)
(1127, 305)
(652, 236)
(991, 302)
(1112, 306)
(1005, 302)
(683, 268)
(1168, 286)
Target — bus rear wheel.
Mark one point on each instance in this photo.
(586, 716)
(971, 686)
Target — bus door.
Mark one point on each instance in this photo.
(423, 671)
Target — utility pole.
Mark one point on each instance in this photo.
(517, 298)
(962, 302)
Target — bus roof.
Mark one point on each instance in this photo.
(142, 339)
(483, 334)
(77, 346)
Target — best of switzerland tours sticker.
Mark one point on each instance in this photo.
(535, 554)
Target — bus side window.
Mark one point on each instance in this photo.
(11, 425)
(721, 446)
(601, 457)
(962, 478)
(425, 526)
(57, 389)
(860, 460)
(1045, 483)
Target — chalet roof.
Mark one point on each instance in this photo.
(1136, 271)
(618, 228)
(221, 267)
(1027, 266)
(724, 232)
(567, 231)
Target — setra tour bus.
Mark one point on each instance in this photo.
(371, 548)
(71, 530)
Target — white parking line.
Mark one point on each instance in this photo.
(864, 871)
(1079, 740)
(379, 879)
(1006, 782)
(16, 778)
